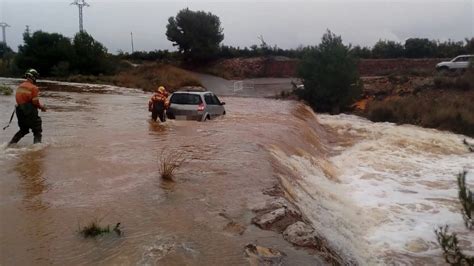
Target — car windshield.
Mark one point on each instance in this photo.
(185, 98)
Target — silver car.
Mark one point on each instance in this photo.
(192, 104)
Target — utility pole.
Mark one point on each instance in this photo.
(131, 38)
(27, 30)
(4, 25)
(80, 4)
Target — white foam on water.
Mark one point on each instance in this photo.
(396, 185)
(16, 150)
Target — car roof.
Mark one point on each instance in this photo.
(466, 55)
(192, 92)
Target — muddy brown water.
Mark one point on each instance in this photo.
(99, 161)
(373, 191)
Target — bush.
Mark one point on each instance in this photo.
(330, 76)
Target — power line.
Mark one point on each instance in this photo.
(80, 4)
(4, 25)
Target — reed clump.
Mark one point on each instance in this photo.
(169, 162)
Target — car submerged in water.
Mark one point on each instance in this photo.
(194, 103)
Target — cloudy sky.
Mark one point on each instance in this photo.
(287, 24)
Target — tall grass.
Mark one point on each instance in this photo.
(169, 162)
(5, 90)
(151, 75)
(94, 228)
(446, 111)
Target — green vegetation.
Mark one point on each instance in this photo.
(467, 201)
(452, 252)
(94, 229)
(53, 54)
(330, 77)
(196, 33)
(449, 241)
(5, 90)
(415, 48)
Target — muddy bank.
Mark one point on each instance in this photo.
(441, 102)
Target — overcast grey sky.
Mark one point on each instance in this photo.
(287, 24)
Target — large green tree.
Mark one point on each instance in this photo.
(420, 48)
(43, 51)
(196, 33)
(330, 76)
(90, 56)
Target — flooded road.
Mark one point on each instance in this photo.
(374, 191)
(99, 160)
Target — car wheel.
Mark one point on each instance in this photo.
(443, 69)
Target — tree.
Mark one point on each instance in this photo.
(330, 76)
(196, 33)
(419, 48)
(43, 51)
(361, 52)
(90, 56)
(387, 49)
(5, 50)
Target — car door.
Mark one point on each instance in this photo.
(210, 106)
(218, 104)
(461, 62)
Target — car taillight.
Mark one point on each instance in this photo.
(201, 107)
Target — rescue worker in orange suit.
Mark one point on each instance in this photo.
(27, 99)
(158, 104)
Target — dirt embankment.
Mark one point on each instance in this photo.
(441, 102)
(282, 67)
(147, 77)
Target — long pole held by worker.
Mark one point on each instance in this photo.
(11, 118)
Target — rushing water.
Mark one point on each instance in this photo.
(374, 191)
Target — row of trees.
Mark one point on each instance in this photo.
(383, 49)
(53, 54)
(415, 48)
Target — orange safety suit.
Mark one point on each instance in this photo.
(27, 99)
(158, 104)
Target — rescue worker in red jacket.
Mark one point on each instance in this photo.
(27, 99)
(158, 104)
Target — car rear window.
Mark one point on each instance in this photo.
(185, 98)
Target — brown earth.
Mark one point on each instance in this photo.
(282, 67)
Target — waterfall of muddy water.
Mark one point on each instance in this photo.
(99, 161)
(375, 192)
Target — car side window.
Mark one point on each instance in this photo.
(208, 99)
(216, 100)
(461, 59)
